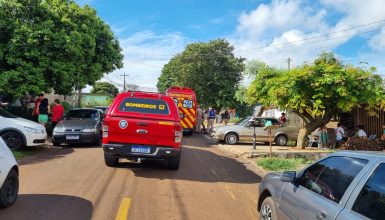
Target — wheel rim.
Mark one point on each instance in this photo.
(281, 140)
(10, 189)
(266, 212)
(232, 139)
(12, 140)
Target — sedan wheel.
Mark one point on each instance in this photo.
(281, 140)
(13, 140)
(231, 138)
(268, 210)
(10, 189)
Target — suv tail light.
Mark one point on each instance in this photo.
(105, 130)
(178, 133)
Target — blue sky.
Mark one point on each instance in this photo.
(151, 32)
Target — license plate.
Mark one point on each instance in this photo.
(139, 149)
(72, 137)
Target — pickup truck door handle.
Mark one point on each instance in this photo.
(141, 131)
(321, 216)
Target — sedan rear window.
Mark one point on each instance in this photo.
(141, 105)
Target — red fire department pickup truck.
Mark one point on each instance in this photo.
(142, 125)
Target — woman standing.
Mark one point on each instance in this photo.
(44, 110)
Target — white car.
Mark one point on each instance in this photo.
(9, 176)
(19, 132)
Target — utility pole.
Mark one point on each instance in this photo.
(288, 63)
(124, 81)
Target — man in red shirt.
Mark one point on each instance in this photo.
(35, 112)
(57, 112)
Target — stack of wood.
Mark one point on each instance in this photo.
(366, 145)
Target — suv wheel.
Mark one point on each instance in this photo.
(231, 138)
(55, 143)
(268, 210)
(111, 160)
(13, 140)
(10, 189)
(173, 163)
(281, 140)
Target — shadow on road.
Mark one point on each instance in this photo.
(45, 206)
(47, 154)
(200, 165)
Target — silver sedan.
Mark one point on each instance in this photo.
(243, 131)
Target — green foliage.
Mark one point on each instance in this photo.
(25, 152)
(55, 44)
(281, 164)
(105, 88)
(211, 69)
(67, 106)
(319, 90)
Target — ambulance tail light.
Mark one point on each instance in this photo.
(178, 133)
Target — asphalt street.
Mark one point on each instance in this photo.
(74, 183)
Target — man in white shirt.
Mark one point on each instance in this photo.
(361, 133)
(340, 132)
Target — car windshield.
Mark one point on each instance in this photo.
(82, 114)
(243, 121)
(6, 114)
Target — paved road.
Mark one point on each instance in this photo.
(73, 183)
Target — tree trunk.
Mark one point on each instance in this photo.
(302, 134)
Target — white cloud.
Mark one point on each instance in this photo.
(264, 33)
(145, 53)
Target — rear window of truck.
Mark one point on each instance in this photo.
(143, 105)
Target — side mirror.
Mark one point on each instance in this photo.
(288, 176)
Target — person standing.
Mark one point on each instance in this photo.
(57, 112)
(35, 112)
(44, 110)
(199, 117)
(340, 133)
(283, 118)
(225, 117)
(210, 120)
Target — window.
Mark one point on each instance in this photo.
(82, 114)
(142, 105)
(6, 114)
(331, 177)
(187, 104)
(371, 200)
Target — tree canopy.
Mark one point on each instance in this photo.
(318, 91)
(211, 69)
(53, 44)
(105, 88)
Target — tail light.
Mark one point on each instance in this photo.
(178, 133)
(105, 129)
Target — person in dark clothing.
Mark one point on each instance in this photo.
(35, 112)
(44, 110)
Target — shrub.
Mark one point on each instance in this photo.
(281, 164)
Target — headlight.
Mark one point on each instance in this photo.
(58, 129)
(89, 130)
(32, 130)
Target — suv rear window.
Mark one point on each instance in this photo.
(141, 105)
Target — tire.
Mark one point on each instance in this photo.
(13, 139)
(111, 160)
(10, 189)
(267, 211)
(55, 143)
(231, 138)
(173, 163)
(281, 140)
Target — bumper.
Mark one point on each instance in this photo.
(156, 152)
(35, 139)
(82, 137)
(218, 136)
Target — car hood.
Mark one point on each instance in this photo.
(25, 122)
(77, 124)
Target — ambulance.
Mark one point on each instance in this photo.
(186, 101)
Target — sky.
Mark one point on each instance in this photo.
(151, 32)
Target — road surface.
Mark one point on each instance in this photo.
(74, 183)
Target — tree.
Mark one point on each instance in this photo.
(105, 88)
(53, 44)
(211, 69)
(318, 91)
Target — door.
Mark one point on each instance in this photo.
(247, 132)
(320, 189)
(368, 200)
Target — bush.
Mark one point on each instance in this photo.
(281, 164)
(234, 120)
(67, 106)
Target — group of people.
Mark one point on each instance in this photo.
(341, 135)
(209, 115)
(42, 110)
